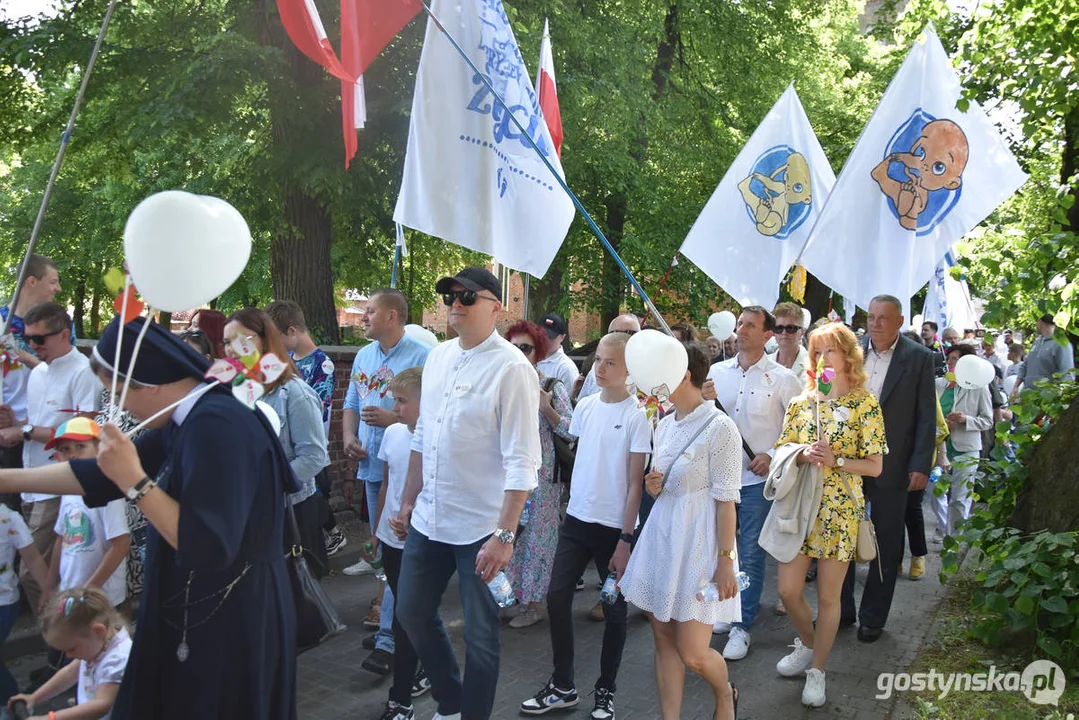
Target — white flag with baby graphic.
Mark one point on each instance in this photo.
(922, 176)
(759, 217)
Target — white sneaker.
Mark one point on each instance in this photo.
(360, 568)
(796, 662)
(455, 716)
(813, 692)
(737, 645)
(721, 628)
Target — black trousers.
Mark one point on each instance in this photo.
(322, 482)
(309, 519)
(578, 544)
(915, 523)
(405, 660)
(888, 508)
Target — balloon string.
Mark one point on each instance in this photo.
(198, 393)
(134, 355)
(114, 412)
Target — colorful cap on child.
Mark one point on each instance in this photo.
(76, 429)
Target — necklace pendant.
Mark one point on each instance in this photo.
(182, 652)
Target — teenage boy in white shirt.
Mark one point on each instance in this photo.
(608, 476)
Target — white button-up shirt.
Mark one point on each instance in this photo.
(560, 366)
(478, 432)
(876, 366)
(798, 369)
(756, 399)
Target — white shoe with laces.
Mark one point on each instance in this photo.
(360, 568)
(797, 662)
(813, 692)
(737, 644)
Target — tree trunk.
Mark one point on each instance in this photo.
(80, 308)
(300, 264)
(95, 307)
(1050, 501)
(543, 294)
(1070, 162)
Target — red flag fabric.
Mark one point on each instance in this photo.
(547, 91)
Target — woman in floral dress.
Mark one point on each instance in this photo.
(851, 445)
(529, 570)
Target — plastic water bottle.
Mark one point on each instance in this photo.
(710, 593)
(381, 575)
(526, 513)
(936, 473)
(501, 590)
(609, 592)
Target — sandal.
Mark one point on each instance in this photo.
(734, 701)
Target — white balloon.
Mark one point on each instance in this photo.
(425, 336)
(271, 415)
(721, 324)
(916, 323)
(973, 372)
(807, 318)
(656, 361)
(1009, 384)
(184, 250)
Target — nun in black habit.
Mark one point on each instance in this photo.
(216, 634)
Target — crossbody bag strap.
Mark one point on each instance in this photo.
(745, 446)
(685, 447)
(850, 493)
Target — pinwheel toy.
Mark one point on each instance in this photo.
(248, 373)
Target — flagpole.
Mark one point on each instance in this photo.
(64, 140)
(528, 288)
(396, 263)
(531, 141)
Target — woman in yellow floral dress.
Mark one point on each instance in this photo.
(852, 446)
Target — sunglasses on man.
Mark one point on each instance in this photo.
(792, 329)
(40, 339)
(467, 297)
(627, 332)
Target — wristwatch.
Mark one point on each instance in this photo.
(505, 536)
(732, 554)
(840, 462)
(138, 491)
(626, 538)
(26, 430)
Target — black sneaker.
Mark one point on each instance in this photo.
(397, 712)
(604, 709)
(580, 583)
(550, 698)
(420, 684)
(378, 662)
(335, 540)
(368, 641)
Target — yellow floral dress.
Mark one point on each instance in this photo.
(855, 426)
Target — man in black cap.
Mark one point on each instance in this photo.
(1046, 356)
(475, 453)
(557, 364)
(211, 477)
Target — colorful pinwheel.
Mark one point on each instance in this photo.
(248, 374)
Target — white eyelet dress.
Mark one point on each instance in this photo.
(677, 551)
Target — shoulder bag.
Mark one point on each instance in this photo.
(866, 548)
(565, 450)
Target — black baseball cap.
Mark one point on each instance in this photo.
(472, 278)
(1048, 319)
(555, 325)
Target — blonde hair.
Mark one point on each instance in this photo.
(409, 380)
(615, 340)
(840, 337)
(74, 611)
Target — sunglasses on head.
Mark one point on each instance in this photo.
(467, 297)
(627, 332)
(792, 329)
(526, 348)
(40, 339)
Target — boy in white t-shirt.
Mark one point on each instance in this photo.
(614, 439)
(91, 543)
(409, 680)
(14, 536)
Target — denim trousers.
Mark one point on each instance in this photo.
(8, 615)
(426, 569)
(384, 634)
(752, 511)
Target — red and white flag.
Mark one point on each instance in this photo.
(547, 90)
(367, 26)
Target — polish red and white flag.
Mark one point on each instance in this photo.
(548, 91)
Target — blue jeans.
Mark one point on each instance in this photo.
(752, 510)
(384, 636)
(8, 687)
(426, 569)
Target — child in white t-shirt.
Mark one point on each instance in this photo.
(83, 624)
(14, 536)
(91, 543)
(614, 439)
(409, 680)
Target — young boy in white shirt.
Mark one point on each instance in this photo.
(14, 536)
(608, 476)
(409, 680)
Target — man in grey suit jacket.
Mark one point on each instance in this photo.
(900, 373)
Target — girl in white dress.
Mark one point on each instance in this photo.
(688, 541)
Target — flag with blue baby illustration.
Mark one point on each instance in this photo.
(922, 175)
(471, 175)
(759, 217)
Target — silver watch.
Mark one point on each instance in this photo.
(840, 462)
(505, 536)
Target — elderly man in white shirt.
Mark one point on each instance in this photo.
(475, 455)
(754, 390)
(628, 324)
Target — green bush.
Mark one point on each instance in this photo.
(1028, 585)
